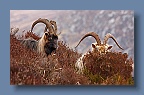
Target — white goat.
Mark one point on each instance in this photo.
(101, 48)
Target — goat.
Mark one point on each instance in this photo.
(102, 48)
(47, 43)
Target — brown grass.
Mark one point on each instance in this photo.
(111, 68)
(29, 68)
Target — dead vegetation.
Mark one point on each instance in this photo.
(110, 68)
(29, 68)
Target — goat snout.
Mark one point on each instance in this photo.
(49, 47)
(53, 45)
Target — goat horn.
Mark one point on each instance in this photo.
(54, 24)
(93, 34)
(46, 22)
(107, 36)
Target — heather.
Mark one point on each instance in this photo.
(27, 67)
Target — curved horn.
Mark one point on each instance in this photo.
(46, 22)
(55, 26)
(107, 36)
(93, 34)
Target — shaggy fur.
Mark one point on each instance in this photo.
(47, 43)
(101, 48)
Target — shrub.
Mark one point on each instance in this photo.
(100, 68)
(29, 68)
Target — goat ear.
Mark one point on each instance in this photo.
(93, 46)
(109, 47)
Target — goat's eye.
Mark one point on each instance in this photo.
(46, 34)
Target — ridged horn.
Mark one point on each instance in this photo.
(46, 22)
(93, 34)
(107, 36)
(55, 26)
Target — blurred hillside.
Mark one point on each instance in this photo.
(75, 23)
